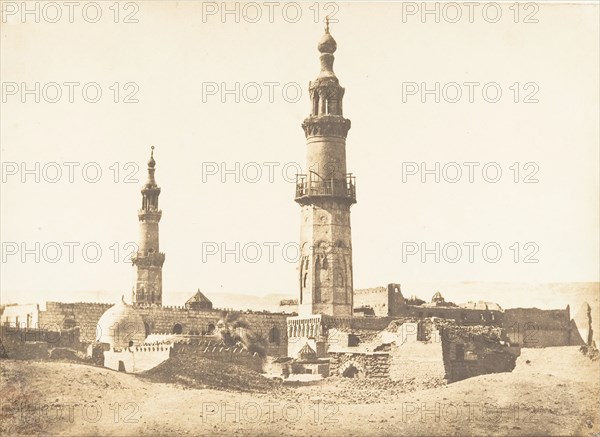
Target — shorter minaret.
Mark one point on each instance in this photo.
(148, 259)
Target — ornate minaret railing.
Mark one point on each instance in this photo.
(149, 260)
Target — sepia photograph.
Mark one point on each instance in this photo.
(364, 218)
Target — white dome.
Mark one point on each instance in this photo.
(121, 326)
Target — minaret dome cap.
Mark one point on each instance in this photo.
(152, 162)
(327, 44)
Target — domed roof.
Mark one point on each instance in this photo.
(306, 353)
(120, 326)
(327, 44)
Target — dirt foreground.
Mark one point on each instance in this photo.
(552, 391)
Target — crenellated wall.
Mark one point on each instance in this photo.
(271, 326)
(221, 353)
(59, 315)
(138, 358)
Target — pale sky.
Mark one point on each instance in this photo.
(172, 54)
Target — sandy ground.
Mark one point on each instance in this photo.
(556, 393)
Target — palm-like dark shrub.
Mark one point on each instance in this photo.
(234, 330)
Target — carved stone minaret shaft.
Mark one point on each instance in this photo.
(326, 193)
(148, 260)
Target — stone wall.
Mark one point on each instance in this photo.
(389, 302)
(320, 331)
(59, 315)
(385, 301)
(21, 316)
(34, 344)
(137, 358)
(532, 327)
(271, 326)
(375, 298)
(366, 365)
(221, 353)
(414, 360)
(463, 316)
(475, 350)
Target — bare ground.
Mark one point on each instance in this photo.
(555, 393)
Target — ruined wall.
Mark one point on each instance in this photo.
(585, 324)
(22, 316)
(385, 301)
(376, 298)
(476, 350)
(356, 323)
(367, 365)
(414, 360)
(532, 327)
(35, 344)
(321, 332)
(463, 316)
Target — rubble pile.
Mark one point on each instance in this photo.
(196, 372)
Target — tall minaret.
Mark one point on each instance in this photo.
(148, 259)
(326, 193)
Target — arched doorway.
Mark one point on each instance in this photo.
(177, 329)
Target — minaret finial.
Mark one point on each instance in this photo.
(327, 24)
(151, 162)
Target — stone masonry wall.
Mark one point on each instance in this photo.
(369, 365)
(272, 326)
(476, 351)
(413, 360)
(385, 301)
(532, 327)
(376, 298)
(24, 344)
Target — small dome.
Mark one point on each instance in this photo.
(121, 326)
(327, 44)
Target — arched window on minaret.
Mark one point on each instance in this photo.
(315, 110)
(332, 106)
(322, 103)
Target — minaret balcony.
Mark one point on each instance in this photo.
(149, 215)
(342, 189)
(148, 259)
